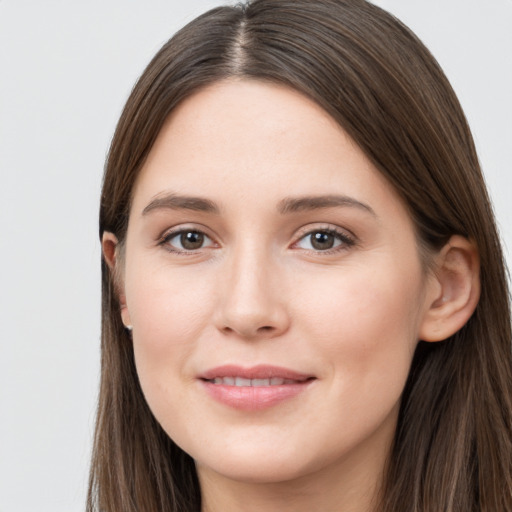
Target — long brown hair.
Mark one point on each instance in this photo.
(453, 444)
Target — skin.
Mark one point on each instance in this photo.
(259, 292)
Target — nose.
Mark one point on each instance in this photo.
(251, 302)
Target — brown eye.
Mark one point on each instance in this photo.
(191, 240)
(186, 240)
(321, 240)
(324, 240)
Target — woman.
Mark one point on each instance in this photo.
(304, 296)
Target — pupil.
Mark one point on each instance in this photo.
(322, 240)
(192, 240)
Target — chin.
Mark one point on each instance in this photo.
(265, 470)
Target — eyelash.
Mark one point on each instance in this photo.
(167, 237)
(345, 240)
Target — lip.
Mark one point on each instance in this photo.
(252, 398)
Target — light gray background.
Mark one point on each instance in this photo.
(66, 68)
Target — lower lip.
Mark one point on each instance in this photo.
(254, 398)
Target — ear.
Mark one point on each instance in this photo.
(110, 248)
(453, 290)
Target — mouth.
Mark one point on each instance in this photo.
(243, 382)
(254, 388)
(255, 376)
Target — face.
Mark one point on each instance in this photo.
(273, 282)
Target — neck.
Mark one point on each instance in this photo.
(302, 495)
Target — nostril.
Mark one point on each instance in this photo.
(249, 333)
(251, 323)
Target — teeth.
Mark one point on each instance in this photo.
(242, 382)
(260, 382)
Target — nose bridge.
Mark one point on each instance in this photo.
(251, 304)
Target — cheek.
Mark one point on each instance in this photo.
(362, 328)
(366, 322)
(168, 310)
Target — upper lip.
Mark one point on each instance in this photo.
(262, 371)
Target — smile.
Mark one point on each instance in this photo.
(256, 388)
(243, 382)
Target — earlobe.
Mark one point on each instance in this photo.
(454, 290)
(110, 248)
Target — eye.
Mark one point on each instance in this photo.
(186, 240)
(324, 240)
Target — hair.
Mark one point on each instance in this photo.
(453, 445)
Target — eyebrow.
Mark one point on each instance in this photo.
(177, 202)
(288, 205)
(299, 204)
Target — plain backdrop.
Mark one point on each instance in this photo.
(66, 68)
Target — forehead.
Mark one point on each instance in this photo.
(243, 140)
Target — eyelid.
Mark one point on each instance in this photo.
(170, 233)
(347, 238)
